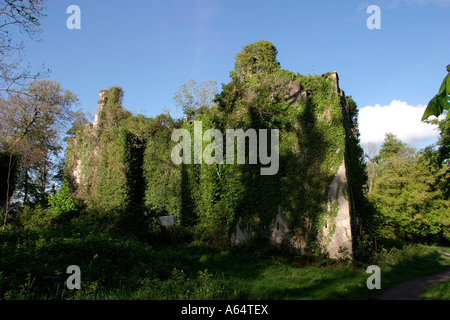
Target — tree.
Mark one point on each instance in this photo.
(23, 16)
(371, 151)
(437, 156)
(440, 102)
(407, 195)
(392, 146)
(444, 141)
(195, 98)
(31, 125)
(8, 168)
(62, 200)
(440, 159)
(79, 123)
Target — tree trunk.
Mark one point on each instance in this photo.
(7, 192)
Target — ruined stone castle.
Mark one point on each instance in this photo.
(312, 201)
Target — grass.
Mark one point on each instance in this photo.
(440, 291)
(294, 278)
(123, 269)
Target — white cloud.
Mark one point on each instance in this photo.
(398, 118)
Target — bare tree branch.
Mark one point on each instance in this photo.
(21, 16)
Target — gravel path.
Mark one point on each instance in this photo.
(412, 289)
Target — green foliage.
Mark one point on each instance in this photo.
(195, 98)
(31, 123)
(362, 212)
(392, 146)
(259, 57)
(112, 112)
(62, 200)
(38, 218)
(43, 255)
(112, 189)
(312, 140)
(33, 266)
(162, 177)
(443, 153)
(407, 194)
(204, 286)
(234, 194)
(79, 122)
(440, 102)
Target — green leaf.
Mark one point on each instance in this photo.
(443, 87)
(432, 109)
(443, 102)
(447, 79)
(440, 102)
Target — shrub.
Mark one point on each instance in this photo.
(62, 200)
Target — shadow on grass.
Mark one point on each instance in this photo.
(350, 284)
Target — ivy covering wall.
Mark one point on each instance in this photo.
(124, 161)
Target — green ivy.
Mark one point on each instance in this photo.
(62, 200)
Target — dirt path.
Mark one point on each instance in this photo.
(412, 289)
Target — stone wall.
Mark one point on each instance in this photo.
(335, 236)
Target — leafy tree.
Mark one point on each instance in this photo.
(79, 123)
(405, 192)
(195, 98)
(438, 157)
(444, 141)
(62, 200)
(32, 123)
(371, 151)
(393, 146)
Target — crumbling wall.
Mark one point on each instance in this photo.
(334, 230)
(336, 238)
(96, 160)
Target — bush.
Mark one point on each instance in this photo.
(38, 218)
(62, 200)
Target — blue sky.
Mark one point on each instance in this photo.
(151, 47)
